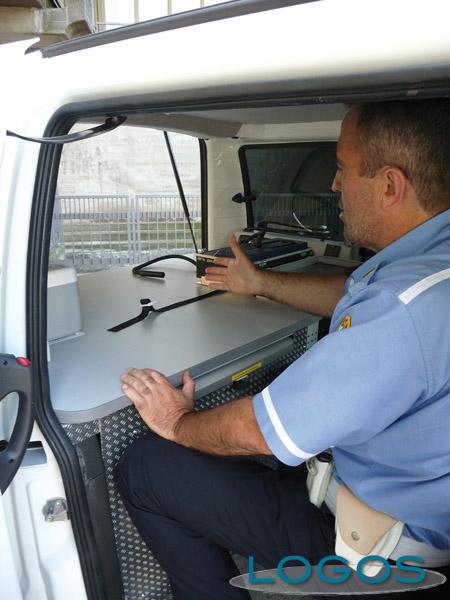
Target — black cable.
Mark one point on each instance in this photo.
(140, 269)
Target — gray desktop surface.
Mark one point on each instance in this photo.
(203, 336)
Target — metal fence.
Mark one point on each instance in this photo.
(97, 232)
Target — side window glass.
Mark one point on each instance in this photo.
(291, 184)
(117, 202)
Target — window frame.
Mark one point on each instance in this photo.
(246, 174)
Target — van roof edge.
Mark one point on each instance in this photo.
(224, 10)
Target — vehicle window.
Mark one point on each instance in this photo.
(117, 202)
(291, 184)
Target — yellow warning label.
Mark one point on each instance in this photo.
(245, 372)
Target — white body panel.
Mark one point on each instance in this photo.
(40, 561)
(9, 577)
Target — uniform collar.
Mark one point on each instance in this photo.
(417, 241)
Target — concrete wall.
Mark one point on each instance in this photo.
(129, 160)
(24, 19)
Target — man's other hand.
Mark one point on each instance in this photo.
(160, 405)
(236, 274)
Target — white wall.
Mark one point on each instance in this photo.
(224, 181)
(129, 160)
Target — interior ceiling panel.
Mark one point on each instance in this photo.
(236, 121)
(276, 114)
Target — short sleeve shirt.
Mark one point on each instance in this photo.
(376, 389)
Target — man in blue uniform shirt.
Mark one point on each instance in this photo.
(376, 389)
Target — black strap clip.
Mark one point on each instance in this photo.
(147, 308)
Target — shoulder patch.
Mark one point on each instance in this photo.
(345, 323)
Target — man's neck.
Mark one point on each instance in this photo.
(391, 231)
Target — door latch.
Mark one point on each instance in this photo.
(55, 509)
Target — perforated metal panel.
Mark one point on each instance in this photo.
(78, 432)
(142, 576)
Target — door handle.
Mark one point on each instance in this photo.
(15, 376)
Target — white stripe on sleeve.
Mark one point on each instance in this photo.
(423, 285)
(280, 430)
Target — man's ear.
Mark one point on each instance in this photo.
(393, 187)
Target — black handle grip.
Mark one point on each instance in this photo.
(15, 377)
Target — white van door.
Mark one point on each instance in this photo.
(9, 581)
(16, 412)
(27, 537)
(9, 578)
(16, 422)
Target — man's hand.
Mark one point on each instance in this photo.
(160, 405)
(237, 274)
(314, 293)
(227, 430)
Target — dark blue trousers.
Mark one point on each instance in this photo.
(192, 509)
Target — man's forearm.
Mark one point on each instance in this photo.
(317, 294)
(227, 430)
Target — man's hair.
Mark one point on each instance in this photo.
(413, 135)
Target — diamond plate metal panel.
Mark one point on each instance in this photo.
(78, 432)
(142, 576)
